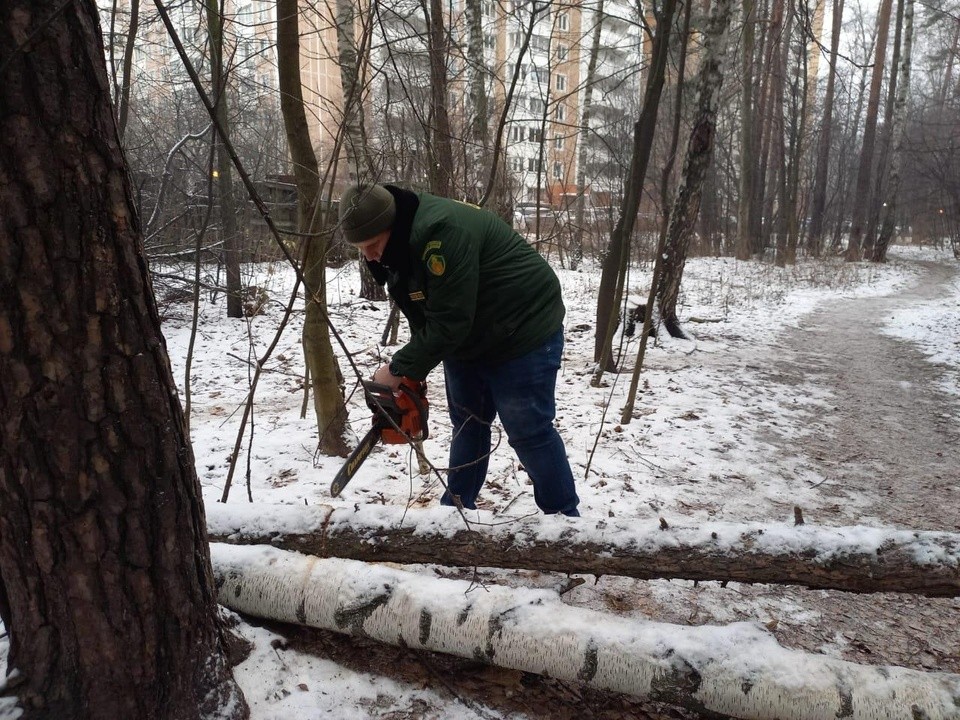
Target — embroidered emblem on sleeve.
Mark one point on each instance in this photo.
(436, 264)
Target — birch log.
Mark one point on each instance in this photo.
(738, 669)
(854, 559)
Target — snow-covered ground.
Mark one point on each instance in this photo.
(698, 447)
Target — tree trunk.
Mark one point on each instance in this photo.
(778, 138)
(326, 379)
(737, 669)
(357, 149)
(818, 557)
(897, 135)
(110, 601)
(861, 196)
(481, 159)
(583, 138)
(885, 140)
(618, 254)
(686, 204)
(627, 415)
(819, 204)
(228, 211)
(796, 148)
(439, 149)
(747, 143)
(126, 78)
(763, 131)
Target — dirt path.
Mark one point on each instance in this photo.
(891, 444)
(890, 449)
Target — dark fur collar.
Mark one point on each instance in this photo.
(396, 256)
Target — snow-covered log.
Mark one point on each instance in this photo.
(853, 559)
(737, 670)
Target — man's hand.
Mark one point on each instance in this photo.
(383, 376)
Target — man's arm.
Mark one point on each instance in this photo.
(452, 265)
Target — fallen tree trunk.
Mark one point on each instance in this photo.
(854, 559)
(737, 670)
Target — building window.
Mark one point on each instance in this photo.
(558, 142)
(561, 113)
(538, 42)
(561, 52)
(534, 135)
(533, 165)
(561, 82)
(536, 106)
(563, 21)
(558, 171)
(516, 133)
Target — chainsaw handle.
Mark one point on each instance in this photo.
(416, 390)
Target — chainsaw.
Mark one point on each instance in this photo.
(399, 417)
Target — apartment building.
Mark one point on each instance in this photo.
(532, 73)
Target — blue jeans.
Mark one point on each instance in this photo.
(521, 391)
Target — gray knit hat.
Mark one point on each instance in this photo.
(365, 211)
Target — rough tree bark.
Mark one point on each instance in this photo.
(326, 379)
(737, 669)
(686, 203)
(853, 559)
(109, 595)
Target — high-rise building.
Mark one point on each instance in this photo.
(518, 67)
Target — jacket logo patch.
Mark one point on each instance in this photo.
(432, 245)
(417, 295)
(436, 264)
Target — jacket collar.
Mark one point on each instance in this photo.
(396, 255)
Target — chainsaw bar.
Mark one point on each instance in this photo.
(355, 460)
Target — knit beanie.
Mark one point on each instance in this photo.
(366, 211)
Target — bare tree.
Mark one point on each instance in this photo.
(107, 588)
(228, 213)
(686, 203)
(618, 253)
(892, 194)
(819, 201)
(862, 191)
(351, 57)
(586, 115)
(326, 379)
(439, 149)
(747, 145)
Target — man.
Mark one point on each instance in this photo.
(486, 305)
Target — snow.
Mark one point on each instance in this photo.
(699, 449)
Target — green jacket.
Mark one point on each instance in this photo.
(471, 288)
